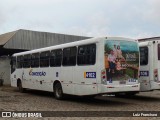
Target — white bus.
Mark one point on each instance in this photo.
(87, 67)
(149, 65)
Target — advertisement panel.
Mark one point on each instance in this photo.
(121, 61)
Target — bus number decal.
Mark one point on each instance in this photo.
(132, 80)
(89, 74)
(144, 73)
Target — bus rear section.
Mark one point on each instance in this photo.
(121, 67)
(149, 65)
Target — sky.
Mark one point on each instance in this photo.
(93, 18)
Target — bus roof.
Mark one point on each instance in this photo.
(144, 43)
(81, 42)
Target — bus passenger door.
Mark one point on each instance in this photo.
(145, 69)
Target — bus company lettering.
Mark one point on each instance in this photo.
(31, 73)
(130, 57)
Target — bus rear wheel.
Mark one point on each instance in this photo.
(20, 87)
(58, 92)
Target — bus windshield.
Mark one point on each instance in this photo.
(121, 61)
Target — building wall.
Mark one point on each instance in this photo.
(5, 70)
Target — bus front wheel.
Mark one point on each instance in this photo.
(58, 92)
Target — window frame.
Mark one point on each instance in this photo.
(46, 58)
(57, 56)
(85, 55)
(71, 54)
(146, 50)
(28, 60)
(19, 62)
(35, 59)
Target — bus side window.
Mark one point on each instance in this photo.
(35, 60)
(143, 55)
(56, 58)
(69, 56)
(44, 59)
(86, 55)
(19, 61)
(27, 61)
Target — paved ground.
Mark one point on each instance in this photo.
(12, 100)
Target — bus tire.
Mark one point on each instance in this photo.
(20, 87)
(131, 93)
(58, 92)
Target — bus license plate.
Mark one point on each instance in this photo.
(122, 82)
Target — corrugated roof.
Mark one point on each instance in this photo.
(4, 38)
(28, 40)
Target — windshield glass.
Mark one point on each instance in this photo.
(121, 60)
